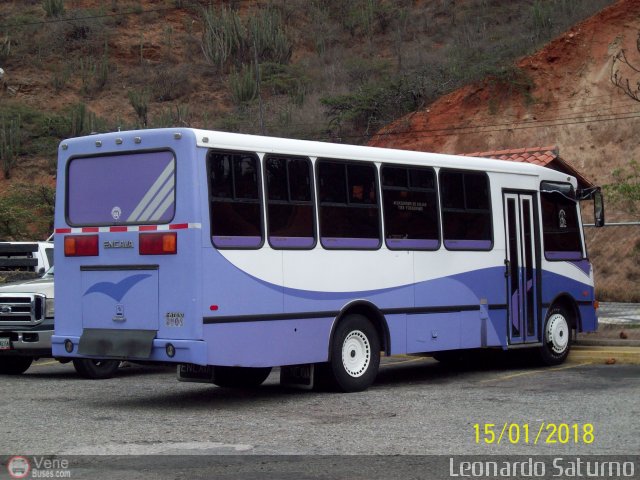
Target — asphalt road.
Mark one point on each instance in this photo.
(416, 407)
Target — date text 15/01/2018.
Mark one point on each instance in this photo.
(524, 433)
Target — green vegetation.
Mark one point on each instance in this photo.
(139, 100)
(5, 48)
(93, 73)
(244, 88)
(26, 211)
(227, 42)
(624, 191)
(178, 115)
(53, 8)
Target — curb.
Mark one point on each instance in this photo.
(606, 342)
(606, 354)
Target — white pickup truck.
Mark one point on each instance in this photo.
(34, 257)
(26, 326)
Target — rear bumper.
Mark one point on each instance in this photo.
(186, 351)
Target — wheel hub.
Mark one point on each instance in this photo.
(558, 333)
(356, 353)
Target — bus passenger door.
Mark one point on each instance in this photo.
(522, 267)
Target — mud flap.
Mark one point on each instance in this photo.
(298, 376)
(108, 343)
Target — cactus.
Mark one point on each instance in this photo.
(9, 144)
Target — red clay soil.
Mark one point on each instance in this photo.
(571, 78)
(575, 106)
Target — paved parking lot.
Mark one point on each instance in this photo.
(416, 406)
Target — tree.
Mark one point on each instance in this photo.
(625, 188)
(622, 68)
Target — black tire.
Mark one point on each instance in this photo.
(240, 377)
(556, 337)
(355, 356)
(14, 365)
(96, 369)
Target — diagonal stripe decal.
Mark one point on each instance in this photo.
(152, 192)
(164, 206)
(166, 192)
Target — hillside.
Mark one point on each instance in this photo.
(328, 70)
(570, 102)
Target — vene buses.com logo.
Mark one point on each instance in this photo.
(18, 467)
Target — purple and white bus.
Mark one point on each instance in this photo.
(231, 254)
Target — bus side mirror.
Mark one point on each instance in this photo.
(598, 209)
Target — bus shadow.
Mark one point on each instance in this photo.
(196, 396)
(429, 370)
(67, 372)
(208, 397)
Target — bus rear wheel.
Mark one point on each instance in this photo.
(355, 356)
(14, 365)
(240, 377)
(556, 338)
(96, 369)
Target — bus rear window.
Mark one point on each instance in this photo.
(134, 188)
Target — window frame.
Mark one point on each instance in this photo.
(489, 210)
(311, 202)
(378, 206)
(260, 198)
(579, 230)
(114, 154)
(409, 188)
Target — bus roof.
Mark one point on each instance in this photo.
(286, 146)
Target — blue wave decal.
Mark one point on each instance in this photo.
(117, 291)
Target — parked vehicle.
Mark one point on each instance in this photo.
(26, 327)
(231, 254)
(26, 256)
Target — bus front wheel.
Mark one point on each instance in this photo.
(240, 377)
(355, 354)
(556, 338)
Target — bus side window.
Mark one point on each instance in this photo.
(234, 200)
(410, 208)
(466, 210)
(349, 207)
(560, 227)
(290, 217)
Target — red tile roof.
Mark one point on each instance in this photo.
(544, 156)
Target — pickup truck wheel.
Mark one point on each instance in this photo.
(14, 365)
(95, 369)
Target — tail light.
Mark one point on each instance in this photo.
(81, 246)
(158, 243)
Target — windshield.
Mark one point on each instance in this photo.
(48, 273)
(135, 188)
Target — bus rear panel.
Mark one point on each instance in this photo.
(127, 282)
